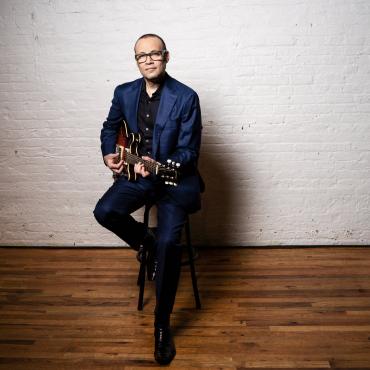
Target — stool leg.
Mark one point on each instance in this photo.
(141, 282)
(191, 263)
(141, 276)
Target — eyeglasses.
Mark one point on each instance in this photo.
(153, 55)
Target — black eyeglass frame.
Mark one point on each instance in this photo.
(146, 55)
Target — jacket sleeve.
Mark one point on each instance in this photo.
(108, 135)
(189, 138)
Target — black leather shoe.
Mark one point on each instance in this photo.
(164, 350)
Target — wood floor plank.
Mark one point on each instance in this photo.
(293, 308)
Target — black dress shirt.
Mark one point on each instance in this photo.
(147, 114)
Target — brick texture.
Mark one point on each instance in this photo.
(285, 94)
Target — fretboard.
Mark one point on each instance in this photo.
(149, 166)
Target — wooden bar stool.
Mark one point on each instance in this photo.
(192, 256)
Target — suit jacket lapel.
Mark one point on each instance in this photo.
(168, 99)
(132, 108)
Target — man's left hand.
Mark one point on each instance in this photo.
(140, 168)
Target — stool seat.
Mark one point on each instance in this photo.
(192, 256)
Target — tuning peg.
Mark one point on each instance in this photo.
(166, 182)
(168, 160)
(177, 164)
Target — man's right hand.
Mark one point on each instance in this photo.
(111, 161)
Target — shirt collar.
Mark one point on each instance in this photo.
(156, 92)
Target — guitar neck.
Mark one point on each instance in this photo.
(149, 166)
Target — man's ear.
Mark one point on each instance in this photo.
(167, 56)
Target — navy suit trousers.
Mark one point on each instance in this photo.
(113, 211)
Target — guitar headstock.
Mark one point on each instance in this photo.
(169, 172)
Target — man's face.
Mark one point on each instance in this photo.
(151, 69)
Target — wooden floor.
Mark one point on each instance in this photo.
(262, 308)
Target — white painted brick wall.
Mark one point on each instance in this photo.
(285, 94)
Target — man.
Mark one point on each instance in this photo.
(167, 115)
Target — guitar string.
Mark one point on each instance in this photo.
(147, 164)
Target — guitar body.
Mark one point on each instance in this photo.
(127, 141)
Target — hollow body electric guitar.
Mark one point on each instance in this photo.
(127, 146)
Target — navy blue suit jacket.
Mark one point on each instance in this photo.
(176, 136)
